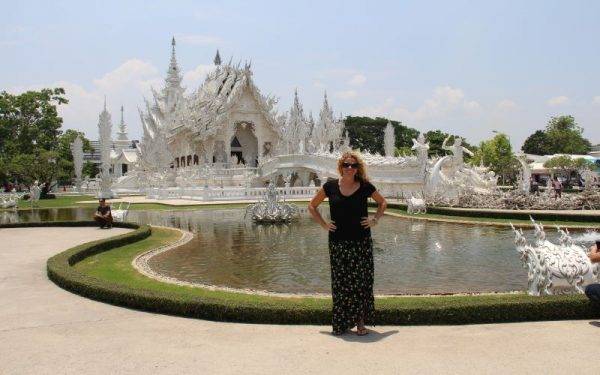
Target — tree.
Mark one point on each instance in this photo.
(565, 166)
(29, 132)
(537, 144)
(561, 136)
(497, 154)
(367, 133)
(565, 136)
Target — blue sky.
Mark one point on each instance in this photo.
(467, 67)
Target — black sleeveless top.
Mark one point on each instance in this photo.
(347, 211)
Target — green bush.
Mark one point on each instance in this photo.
(224, 306)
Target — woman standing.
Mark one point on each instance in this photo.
(350, 243)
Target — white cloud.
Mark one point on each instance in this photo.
(134, 71)
(557, 100)
(357, 80)
(198, 39)
(596, 100)
(445, 102)
(346, 94)
(125, 85)
(9, 43)
(506, 105)
(318, 84)
(193, 78)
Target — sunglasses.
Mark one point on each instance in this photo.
(350, 165)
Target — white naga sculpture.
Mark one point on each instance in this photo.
(271, 210)
(10, 200)
(77, 151)
(525, 175)
(450, 179)
(547, 263)
(104, 129)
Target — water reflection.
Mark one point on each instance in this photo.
(410, 256)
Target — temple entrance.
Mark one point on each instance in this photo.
(244, 144)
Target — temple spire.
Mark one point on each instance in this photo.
(173, 74)
(122, 133)
(217, 59)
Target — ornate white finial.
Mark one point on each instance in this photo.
(122, 133)
(217, 59)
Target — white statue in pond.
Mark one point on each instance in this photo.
(422, 149)
(34, 192)
(77, 151)
(457, 150)
(525, 174)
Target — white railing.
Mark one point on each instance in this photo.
(229, 193)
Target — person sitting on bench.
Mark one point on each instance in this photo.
(102, 215)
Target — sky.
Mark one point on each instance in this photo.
(465, 67)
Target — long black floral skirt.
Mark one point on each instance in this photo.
(352, 273)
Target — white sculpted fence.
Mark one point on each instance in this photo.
(228, 193)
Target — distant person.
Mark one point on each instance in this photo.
(534, 187)
(350, 243)
(592, 291)
(103, 216)
(557, 186)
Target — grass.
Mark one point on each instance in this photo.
(114, 266)
(70, 201)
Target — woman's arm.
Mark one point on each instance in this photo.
(381, 206)
(312, 208)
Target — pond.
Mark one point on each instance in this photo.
(411, 256)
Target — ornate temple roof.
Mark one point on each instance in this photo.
(203, 111)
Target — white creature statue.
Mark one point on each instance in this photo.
(120, 213)
(416, 205)
(10, 200)
(548, 263)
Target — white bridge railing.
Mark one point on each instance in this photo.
(229, 193)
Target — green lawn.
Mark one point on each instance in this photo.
(73, 201)
(504, 222)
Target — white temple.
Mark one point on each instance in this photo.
(227, 135)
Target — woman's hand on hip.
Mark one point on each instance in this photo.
(330, 226)
(368, 222)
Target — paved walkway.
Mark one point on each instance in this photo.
(46, 330)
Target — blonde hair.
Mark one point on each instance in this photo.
(361, 171)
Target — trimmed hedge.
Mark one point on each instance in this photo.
(82, 223)
(224, 306)
(512, 215)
